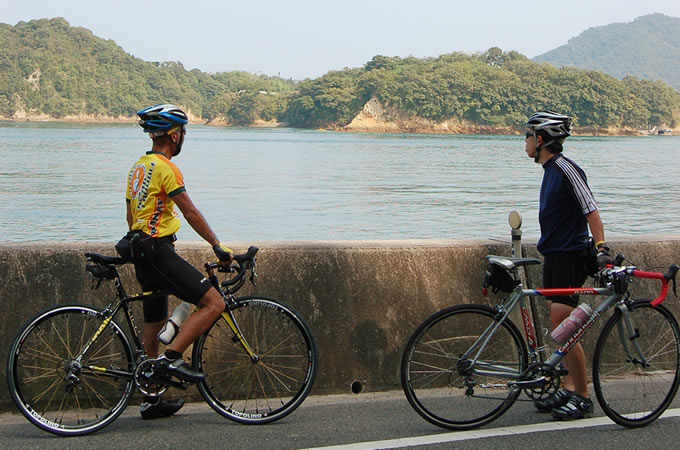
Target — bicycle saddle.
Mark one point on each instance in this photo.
(510, 263)
(103, 259)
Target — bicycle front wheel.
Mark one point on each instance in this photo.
(456, 380)
(631, 392)
(58, 389)
(269, 384)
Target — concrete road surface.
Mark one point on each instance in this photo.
(367, 420)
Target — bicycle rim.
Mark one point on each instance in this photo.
(269, 388)
(433, 374)
(47, 385)
(629, 393)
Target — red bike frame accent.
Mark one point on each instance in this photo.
(564, 348)
(566, 291)
(658, 276)
(528, 328)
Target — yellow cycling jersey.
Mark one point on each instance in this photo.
(152, 182)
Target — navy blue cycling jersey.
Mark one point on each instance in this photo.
(565, 200)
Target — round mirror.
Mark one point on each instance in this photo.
(515, 220)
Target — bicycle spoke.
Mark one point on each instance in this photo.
(632, 394)
(58, 392)
(265, 389)
(443, 388)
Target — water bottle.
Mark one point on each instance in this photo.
(562, 332)
(169, 331)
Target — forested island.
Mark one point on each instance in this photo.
(52, 71)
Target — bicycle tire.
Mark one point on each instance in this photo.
(37, 370)
(432, 372)
(632, 395)
(273, 386)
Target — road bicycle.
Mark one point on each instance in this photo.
(467, 364)
(73, 369)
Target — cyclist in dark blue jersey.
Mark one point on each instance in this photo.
(567, 209)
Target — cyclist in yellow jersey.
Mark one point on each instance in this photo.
(154, 187)
(150, 204)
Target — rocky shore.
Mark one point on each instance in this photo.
(373, 118)
(377, 118)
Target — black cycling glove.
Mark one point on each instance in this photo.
(223, 253)
(603, 257)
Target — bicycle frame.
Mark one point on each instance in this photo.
(122, 302)
(518, 297)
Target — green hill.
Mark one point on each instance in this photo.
(49, 69)
(494, 89)
(648, 47)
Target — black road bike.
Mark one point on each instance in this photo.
(73, 369)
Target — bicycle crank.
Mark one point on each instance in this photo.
(529, 384)
(144, 379)
(540, 381)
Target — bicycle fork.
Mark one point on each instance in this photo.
(238, 335)
(628, 333)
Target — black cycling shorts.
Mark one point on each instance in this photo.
(564, 270)
(173, 274)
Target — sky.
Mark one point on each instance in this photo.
(307, 38)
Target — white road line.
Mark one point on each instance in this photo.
(481, 434)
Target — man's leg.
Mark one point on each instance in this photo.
(156, 407)
(189, 284)
(575, 361)
(211, 306)
(149, 338)
(579, 405)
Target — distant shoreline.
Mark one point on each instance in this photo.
(359, 125)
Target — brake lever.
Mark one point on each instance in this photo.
(670, 276)
(602, 276)
(253, 274)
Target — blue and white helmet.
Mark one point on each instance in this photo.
(556, 125)
(159, 119)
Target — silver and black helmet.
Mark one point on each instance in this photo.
(556, 125)
(160, 119)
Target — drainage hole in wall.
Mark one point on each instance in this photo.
(356, 387)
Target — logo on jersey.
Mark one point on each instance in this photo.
(136, 179)
(139, 181)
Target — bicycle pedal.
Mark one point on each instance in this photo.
(166, 381)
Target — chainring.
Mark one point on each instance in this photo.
(143, 374)
(547, 389)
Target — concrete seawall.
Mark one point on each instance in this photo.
(362, 299)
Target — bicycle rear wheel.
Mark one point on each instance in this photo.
(631, 394)
(59, 393)
(442, 386)
(271, 385)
